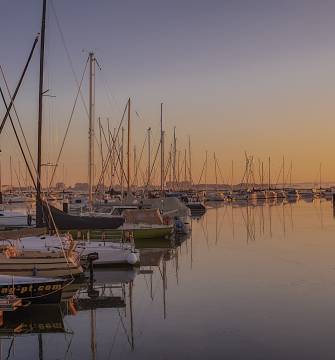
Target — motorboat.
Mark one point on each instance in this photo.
(108, 253)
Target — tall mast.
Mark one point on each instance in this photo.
(232, 175)
(216, 173)
(39, 214)
(283, 172)
(91, 128)
(185, 169)
(110, 147)
(134, 169)
(269, 170)
(162, 151)
(11, 173)
(101, 156)
(128, 151)
(174, 157)
(0, 182)
(149, 157)
(262, 175)
(206, 172)
(189, 161)
(122, 161)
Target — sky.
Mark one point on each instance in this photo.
(235, 75)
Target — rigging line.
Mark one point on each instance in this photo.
(68, 125)
(17, 137)
(139, 161)
(109, 150)
(18, 181)
(202, 171)
(167, 167)
(280, 171)
(10, 348)
(17, 117)
(152, 173)
(68, 55)
(218, 165)
(19, 83)
(107, 162)
(109, 93)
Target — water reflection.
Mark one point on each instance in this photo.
(255, 278)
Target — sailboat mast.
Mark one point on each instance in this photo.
(128, 151)
(101, 156)
(189, 161)
(0, 183)
(283, 172)
(91, 129)
(39, 216)
(174, 157)
(149, 156)
(232, 176)
(185, 169)
(269, 169)
(216, 174)
(162, 151)
(122, 161)
(11, 173)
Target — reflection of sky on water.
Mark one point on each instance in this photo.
(252, 281)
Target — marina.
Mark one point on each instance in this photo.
(167, 187)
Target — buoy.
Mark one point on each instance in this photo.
(132, 258)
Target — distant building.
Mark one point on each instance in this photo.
(81, 186)
(60, 186)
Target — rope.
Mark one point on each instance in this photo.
(17, 117)
(68, 125)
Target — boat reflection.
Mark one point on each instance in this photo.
(37, 319)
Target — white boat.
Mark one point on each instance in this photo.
(215, 196)
(17, 199)
(257, 195)
(14, 219)
(109, 253)
(239, 196)
(291, 194)
(15, 259)
(271, 195)
(327, 193)
(280, 194)
(306, 193)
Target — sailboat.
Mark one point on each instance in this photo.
(39, 262)
(16, 261)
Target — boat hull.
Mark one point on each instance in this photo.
(43, 291)
(32, 265)
(64, 221)
(112, 235)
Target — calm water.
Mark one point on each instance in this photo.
(252, 282)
